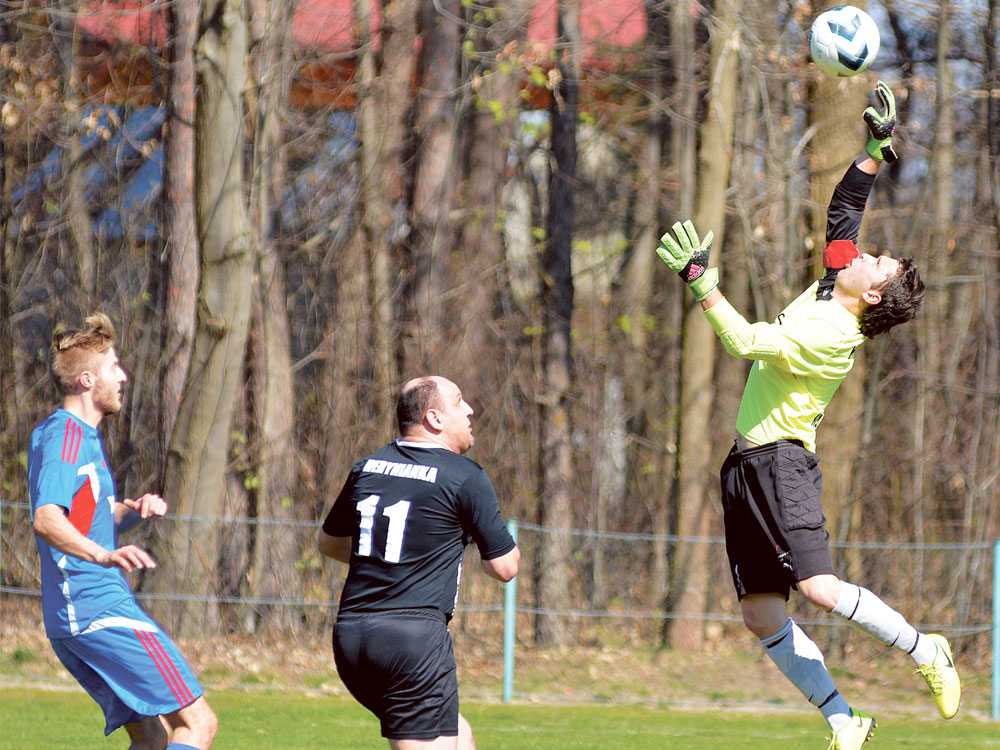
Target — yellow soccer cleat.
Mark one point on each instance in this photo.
(853, 735)
(942, 678)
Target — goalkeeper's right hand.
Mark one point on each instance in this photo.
(688, 257)
(881, 124)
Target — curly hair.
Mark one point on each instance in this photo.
(74, 352)
(415, 399)
(902, 296)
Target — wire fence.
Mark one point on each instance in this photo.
(623, 593)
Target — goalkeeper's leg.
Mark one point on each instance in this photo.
(796, 655)
(867, 612)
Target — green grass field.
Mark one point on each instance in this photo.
(40, 719)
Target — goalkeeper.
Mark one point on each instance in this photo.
(776, 537)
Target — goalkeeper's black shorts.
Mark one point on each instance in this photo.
(775, 528)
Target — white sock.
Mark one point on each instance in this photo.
(862, 608)
(801, 661)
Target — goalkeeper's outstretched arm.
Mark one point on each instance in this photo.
(847, 205)
(688, 255)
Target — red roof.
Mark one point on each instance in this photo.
(326, 25)
(323, 34)
(604, 24)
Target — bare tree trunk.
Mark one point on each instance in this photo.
(78, 251)
(644, 387)
(488, 125)
(196, 465)
(642, 381)
(689, 580)
(435, 123)
(932, 404)
(981, 517)
(730, 372)
(610, 468)
(180, 255)
(384, 96)
(555, 508)
(683, 153)
(272, 549)
(991, 80)
(8, 372)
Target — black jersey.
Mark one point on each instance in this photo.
(410, 509)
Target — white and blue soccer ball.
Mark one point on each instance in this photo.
(843, 41)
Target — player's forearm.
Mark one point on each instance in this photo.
(52, 525)
(126, 518)
(503, 568)
(335, 547)
(849, 199)
(711, 300)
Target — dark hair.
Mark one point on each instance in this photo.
(74, 352)
(902, 296)
(415, 399)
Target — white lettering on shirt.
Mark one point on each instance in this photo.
(405, 471)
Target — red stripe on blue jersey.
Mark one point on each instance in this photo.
(72, 439)
(167, 668)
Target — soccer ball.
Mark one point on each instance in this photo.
(843, 41)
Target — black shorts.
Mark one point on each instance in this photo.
(401, 667)
(783, 482)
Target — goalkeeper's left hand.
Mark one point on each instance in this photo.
(881, 124)
(688, 257)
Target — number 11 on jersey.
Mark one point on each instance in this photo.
(396, 513)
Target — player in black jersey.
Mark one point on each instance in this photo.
(402, 521)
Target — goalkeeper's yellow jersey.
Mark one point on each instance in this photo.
(800, 361)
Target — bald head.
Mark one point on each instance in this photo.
(432, 408)
(416, 397)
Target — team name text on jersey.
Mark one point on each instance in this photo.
(406, 471)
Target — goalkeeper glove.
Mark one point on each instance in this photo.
(881, 124)
(689, 258)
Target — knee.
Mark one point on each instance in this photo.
(764, 615)
(821, 591)
(761, 626)
(148, 734)
(207, 724)
(197, 721)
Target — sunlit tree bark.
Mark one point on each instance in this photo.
(695, 474)
(555, 509)
(488, 124)
(384, 98)
(435, 123)
(8, 377)
(78, 250)
(199, 450)
(180, 255)
(273, 552)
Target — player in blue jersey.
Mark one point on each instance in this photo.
(776, 535)
(402, 521)
(97, 629)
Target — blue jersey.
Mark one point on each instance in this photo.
(67, 466)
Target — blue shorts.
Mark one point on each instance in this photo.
(129, 666)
